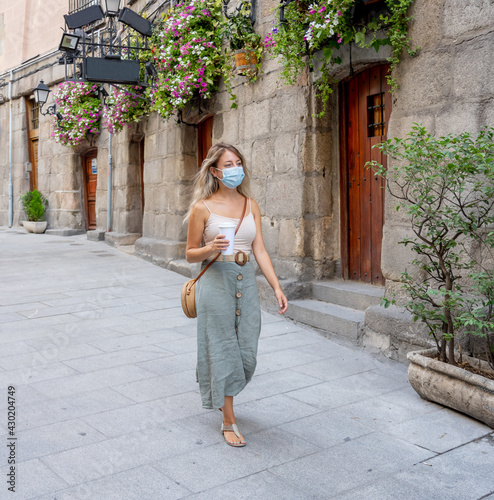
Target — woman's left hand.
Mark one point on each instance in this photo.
(282, 301)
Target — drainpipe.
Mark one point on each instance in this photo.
(11, 190)
(110, 181)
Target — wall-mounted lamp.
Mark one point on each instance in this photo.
(110, 7)
(69, 42)
(41, 93)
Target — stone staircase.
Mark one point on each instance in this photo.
(336, 306)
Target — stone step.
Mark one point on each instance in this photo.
(332, 318)
(348, 293)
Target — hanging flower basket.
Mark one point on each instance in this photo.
(245, 62)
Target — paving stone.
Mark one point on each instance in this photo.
(86, 382)
(285, 358)
(137, 340)
(279, 382)
(51, 353)
(327, 429)
(122, 453)
(339, 366)
(141, 483)
(34, 374)
(353, 463)
(51, 438)
(212, 466)
(69, 407)
(464, 473)
(170, 364)
(260, 485)
(439, 431)
(33, 478)
(125, 357)
(278, 328)
(159, 387)
(266, 413)
(286, 341)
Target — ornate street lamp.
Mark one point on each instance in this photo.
(41, 93)
(110, 7)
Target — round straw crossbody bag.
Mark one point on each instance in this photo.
(188, 294)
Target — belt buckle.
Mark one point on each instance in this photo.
(243, 260)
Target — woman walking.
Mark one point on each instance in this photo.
(227, 301)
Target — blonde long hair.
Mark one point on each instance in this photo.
(206, 184)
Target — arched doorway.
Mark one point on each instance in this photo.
(365, 112)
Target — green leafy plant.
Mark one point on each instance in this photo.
(34, 203)
(241, 36)
(322, 27)
(445, 186)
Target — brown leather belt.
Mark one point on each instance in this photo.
(239, 257)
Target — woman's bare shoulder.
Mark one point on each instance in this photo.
(200, 210)
(255, 206)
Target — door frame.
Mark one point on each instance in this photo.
(343, 145)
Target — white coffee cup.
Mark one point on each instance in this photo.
(228, 229)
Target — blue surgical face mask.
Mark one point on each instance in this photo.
(232, 177)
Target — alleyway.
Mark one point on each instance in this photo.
(102, 360)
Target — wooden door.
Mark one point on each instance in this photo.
(204, 138)
(32, 115)
(90, 181)
(34, 162)
(367, 107)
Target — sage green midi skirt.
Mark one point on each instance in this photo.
(228, 328)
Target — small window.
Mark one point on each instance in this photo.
(375, 113)
(34, 115)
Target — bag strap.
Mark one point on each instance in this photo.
(236, 229)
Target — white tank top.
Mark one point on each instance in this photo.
(245, 235)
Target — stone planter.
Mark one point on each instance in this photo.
(35, 227)
(452, 386)
(245, 62)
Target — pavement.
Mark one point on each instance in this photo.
(100, 362)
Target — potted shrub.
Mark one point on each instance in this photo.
(34, 204)
(245, 43)
(445, 186)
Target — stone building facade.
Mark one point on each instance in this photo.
(297, 161)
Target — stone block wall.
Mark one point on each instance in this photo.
(447, 87)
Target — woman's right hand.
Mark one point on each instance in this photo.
(219, 243)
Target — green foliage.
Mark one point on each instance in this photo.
(325, 26)
(239, 31)
(397, 35)
(445, 186)
(34, 203)
(240, 34)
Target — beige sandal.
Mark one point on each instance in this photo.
(232, 428)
